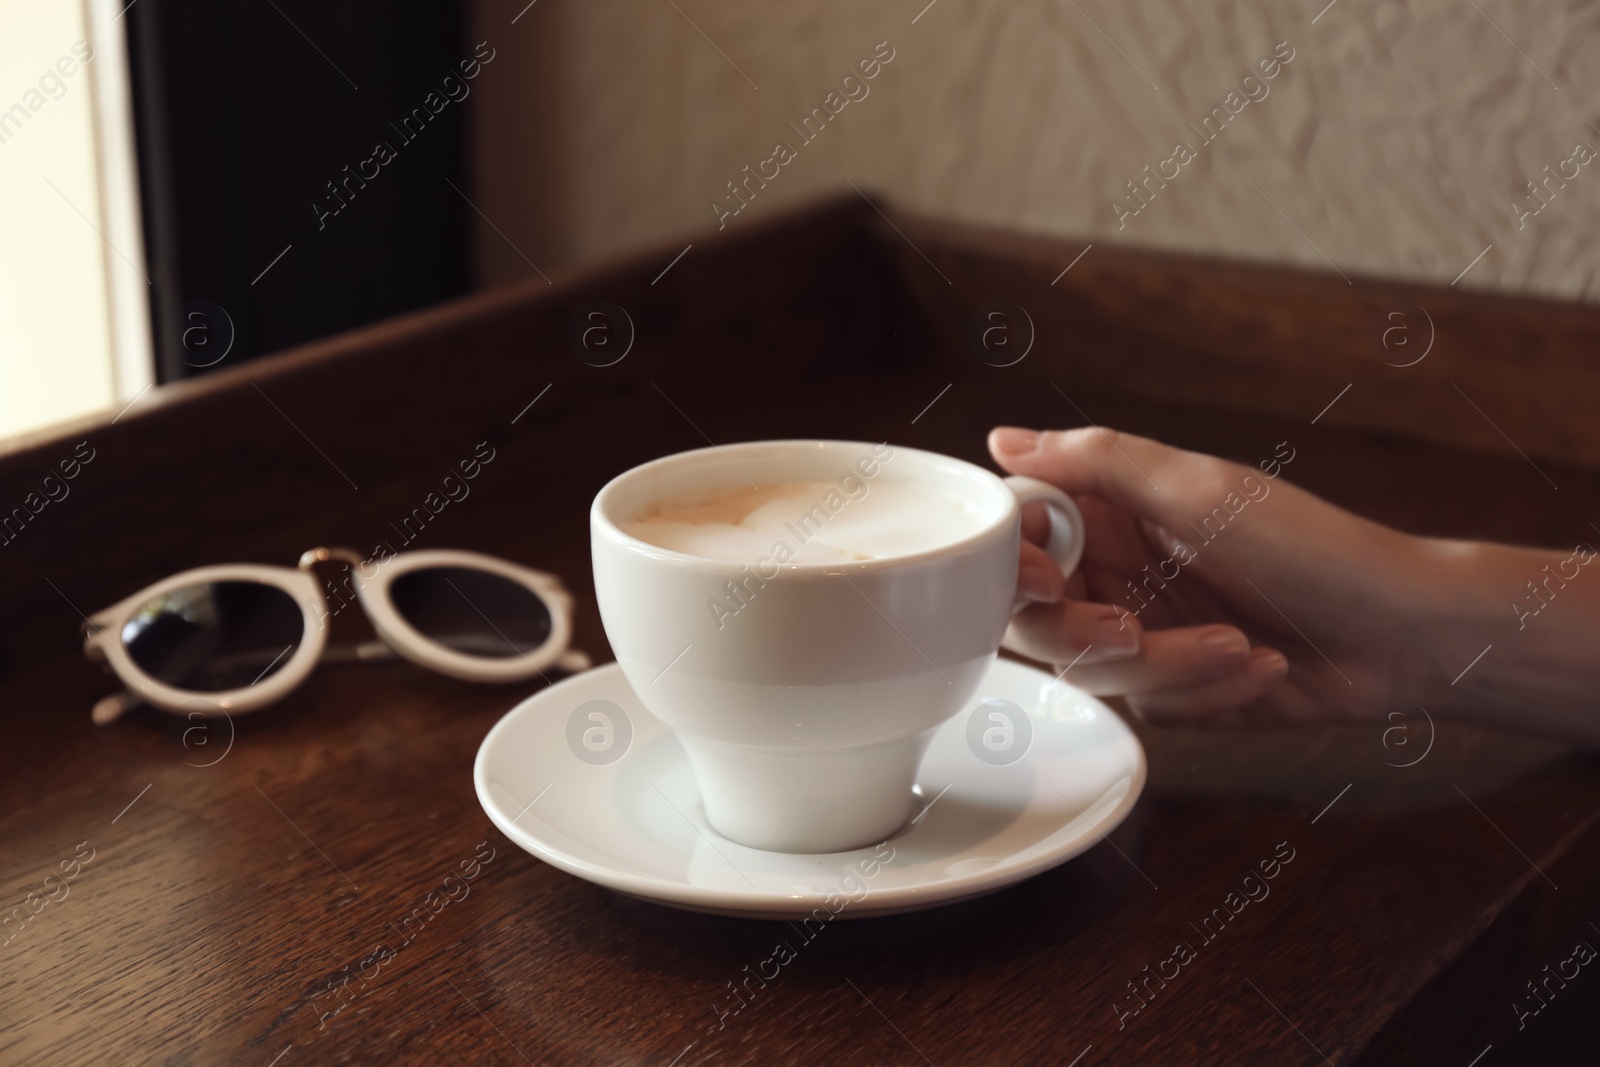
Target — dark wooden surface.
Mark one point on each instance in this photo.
(219, 908)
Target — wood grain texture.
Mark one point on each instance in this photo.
(1502, 374)
(231, 913)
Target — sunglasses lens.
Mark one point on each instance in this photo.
(472, 611)
(215, 635)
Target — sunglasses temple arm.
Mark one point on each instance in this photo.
(109, 709)
(571, 661)
(366, 652)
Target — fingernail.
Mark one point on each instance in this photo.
(1225, 648)
(1115, 636)
(1015, 441)
(1271, 665)
(1175, 546)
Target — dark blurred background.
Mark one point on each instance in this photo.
(244, 114)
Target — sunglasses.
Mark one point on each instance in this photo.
(236, 637)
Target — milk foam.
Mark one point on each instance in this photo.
(815, 522)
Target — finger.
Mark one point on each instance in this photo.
(1143, 476)
(1216, 702)
(1168, 659)
(1064, 632)
(1036, 523)
(1039, 577)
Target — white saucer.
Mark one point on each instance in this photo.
(636, 825)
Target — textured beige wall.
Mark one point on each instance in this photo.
(1396, 141)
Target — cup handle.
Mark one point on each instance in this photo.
(1066, 521)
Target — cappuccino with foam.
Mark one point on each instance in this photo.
(809, 522)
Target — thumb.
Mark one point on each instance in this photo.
(1142, 476)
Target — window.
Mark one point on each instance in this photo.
(74, 336)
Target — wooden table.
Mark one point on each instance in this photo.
(229, 892)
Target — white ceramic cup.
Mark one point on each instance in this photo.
(806, 713)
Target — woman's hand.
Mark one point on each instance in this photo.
(1210, 592)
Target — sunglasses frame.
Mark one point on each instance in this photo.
(103, 630)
